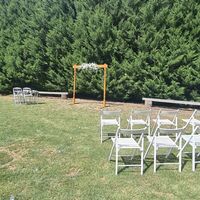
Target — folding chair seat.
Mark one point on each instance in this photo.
(132, 139)
(195, 120)
(166, 119)
(18, 95)
(194, 141)
(162, 141)
(109, 118)
(168, 138)
(139, 118)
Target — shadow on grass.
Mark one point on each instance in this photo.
(189, 157)
(129, 160)
(109, 136)
(34, 104)
(148, 162)
(170, 159)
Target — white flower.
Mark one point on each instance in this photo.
(92, 66)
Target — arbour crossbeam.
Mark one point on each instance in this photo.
(103, 66)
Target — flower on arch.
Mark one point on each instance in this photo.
(90, 66)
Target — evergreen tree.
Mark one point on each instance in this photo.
(151, 47)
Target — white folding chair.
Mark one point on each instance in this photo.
(28, 96)
(139, 118)
(109, 118)
(132, 139)
(18, 95)
(35, 96)
(194, 141)
(166, 119)
(195, 120)
(166, 138)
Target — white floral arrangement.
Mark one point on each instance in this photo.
(91, 66)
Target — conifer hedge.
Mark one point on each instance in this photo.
(152, 47)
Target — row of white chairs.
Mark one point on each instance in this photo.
(160, 137)
(139, 118)
(25, 95)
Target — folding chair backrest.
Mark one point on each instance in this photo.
(197, 114)
(27, 90)
(168, 114)
(191, 117)
(108, 114)
(171, 131)
(17, 91)
(194, 132)
(133, 132)
(141, 114)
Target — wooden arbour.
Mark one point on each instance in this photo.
(102, 66)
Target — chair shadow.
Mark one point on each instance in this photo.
(189, 156)
(172, 159)
(148, 162)
(33, 104)
(110, 135)
(129, 160)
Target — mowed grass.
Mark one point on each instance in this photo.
(52, 150)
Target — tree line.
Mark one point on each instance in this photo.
(152, 47)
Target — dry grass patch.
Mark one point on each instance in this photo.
(73, 172)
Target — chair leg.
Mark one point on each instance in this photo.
(128, 125)
(111, 151)
(22, 100)
(149, 130)
(147, 151)
(180, 155)
(142, 155)
(142, 161)
(193, 158)
(101, 133)
(154, 166)
(180, 162)
(116, 162)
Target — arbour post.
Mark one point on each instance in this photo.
(104, 66)
(104, 88)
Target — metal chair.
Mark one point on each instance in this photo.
(166, 138)
(28, 96)
(166, 119)
(194, 141)
(195, 120)
(139, 118)
(18, 95)
(109, 118)
(35, 96)
(132, 139)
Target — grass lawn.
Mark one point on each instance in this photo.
(52, 150)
